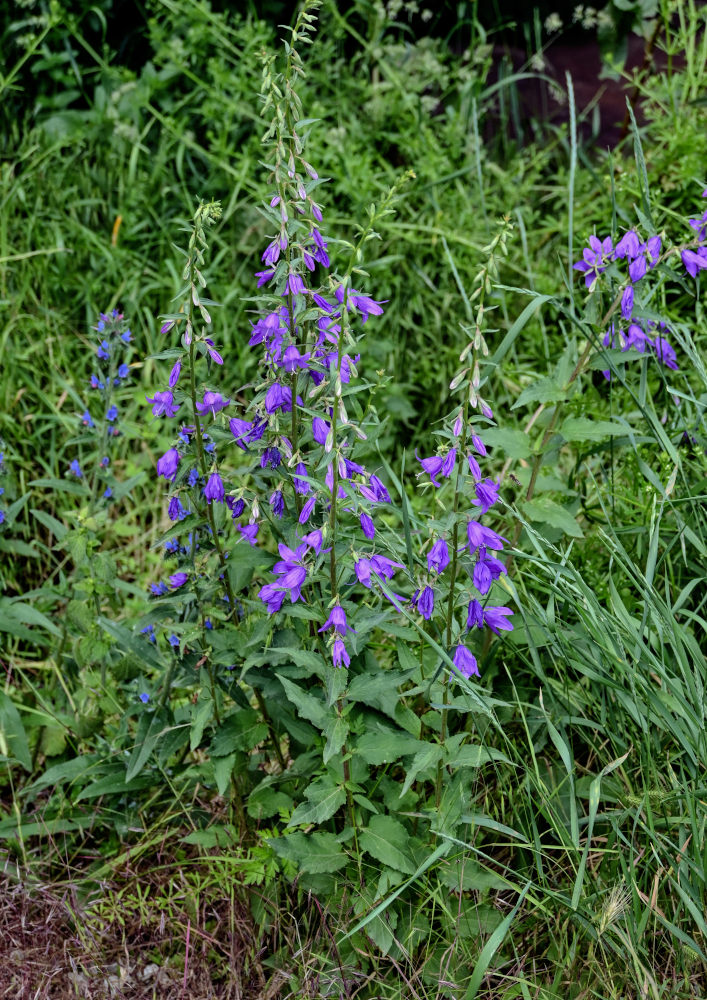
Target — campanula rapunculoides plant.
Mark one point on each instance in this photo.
(305, 653)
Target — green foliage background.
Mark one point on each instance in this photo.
(578, 868)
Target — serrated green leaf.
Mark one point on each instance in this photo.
(266, 801)
(241, 730)
(386, 839)
(546, 511)
(214, 836)
(308, 706)
(545, 390)
(383, 746)
(223, 768)
(324, 798)
(475, 756)
(513, 443)
(379, 690)
(420, 762)
(584, 429)
(336, 733)
(202, 713)
(315, 853)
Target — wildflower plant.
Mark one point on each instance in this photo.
(89, 475)
(294, 559)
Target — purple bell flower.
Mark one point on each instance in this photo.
(465, 662)
(214, 488)
(167, 465)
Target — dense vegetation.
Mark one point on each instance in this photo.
(392, 824)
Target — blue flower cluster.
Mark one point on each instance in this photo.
(640, 257)
(113, 370)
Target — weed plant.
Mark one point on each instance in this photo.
(416, 807)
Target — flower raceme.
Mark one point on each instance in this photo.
(299, 473)
(639, 258)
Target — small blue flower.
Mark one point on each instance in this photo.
(112, 414)
(173, 639)
(104, 350)
(144, 697)
(75, 469)
(149, 631)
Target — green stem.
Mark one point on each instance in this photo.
(452, 584)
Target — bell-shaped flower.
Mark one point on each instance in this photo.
(465, 661)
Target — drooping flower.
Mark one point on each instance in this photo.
(320, 429)
(664, 352)
(448, 466)
(363, 303)
(270, 457)
(479, 534)
(637, 268)
(301, 484)
(425, 602)
(75, 469)
(277, 503)
(486, 494)
(167, 465)
(174, 374)
(278, 397)
(478, 444)
(475, 615)
(214, 488)
(236, 507)
(694, 260)
(295, 285)
(367, 526)
(337, 621)
(306, 511)
(378, 488)
(339, 654)
(271, 597)
(438, 556)
(486, 570)
(465, 661)
(627, 302)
